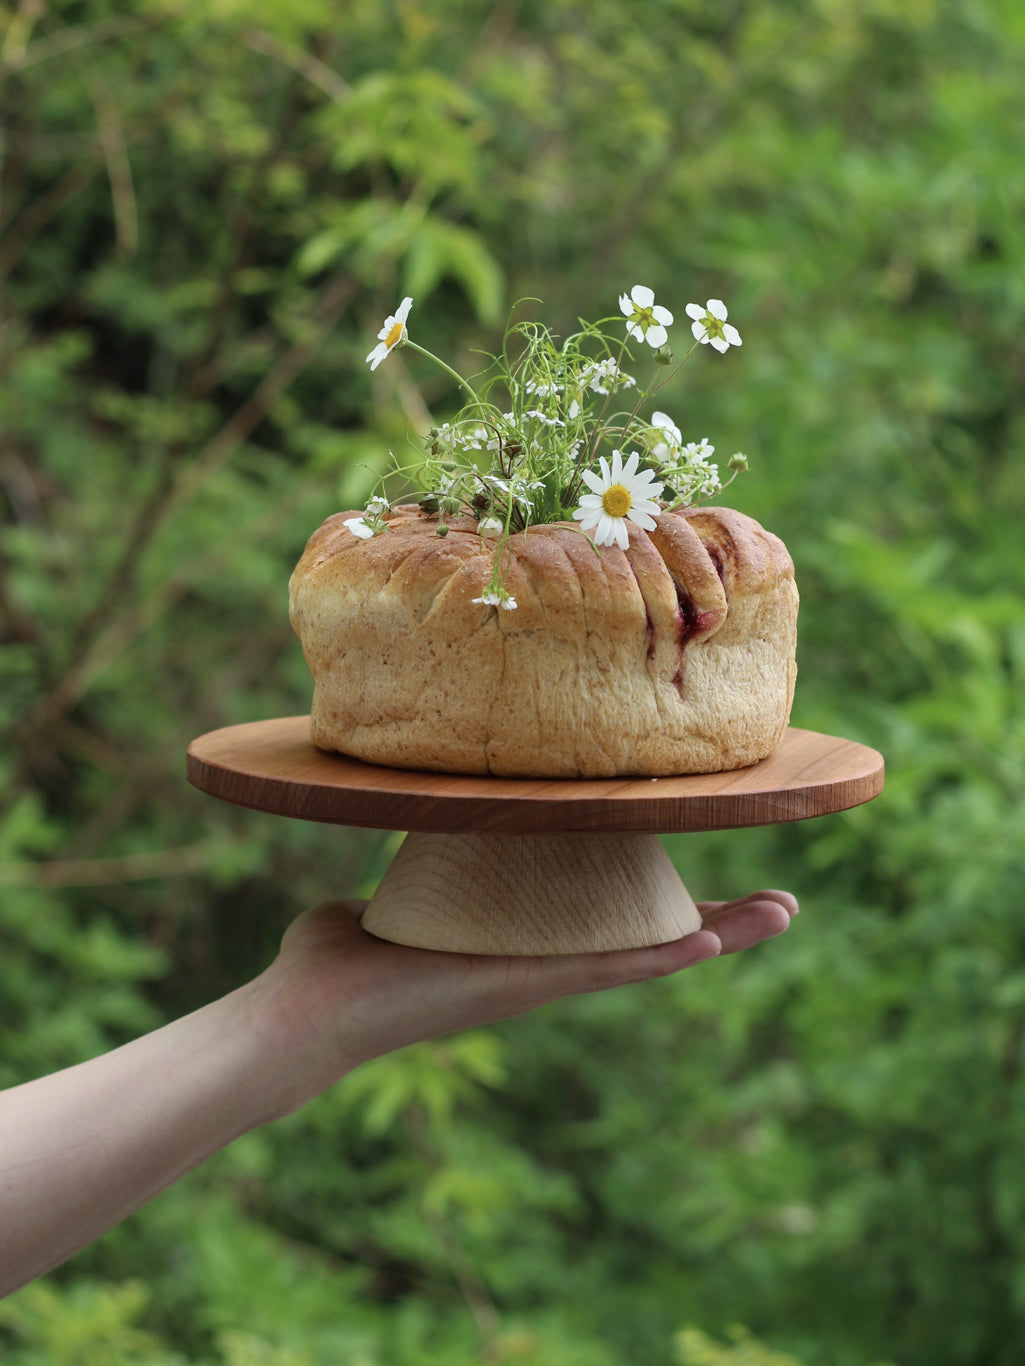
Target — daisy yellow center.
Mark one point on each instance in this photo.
(616, 500)
(394, 335)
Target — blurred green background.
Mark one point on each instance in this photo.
(810, 1154)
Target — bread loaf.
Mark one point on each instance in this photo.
(673, 656)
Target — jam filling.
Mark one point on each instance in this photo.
(689, 623)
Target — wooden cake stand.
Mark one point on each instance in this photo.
(531, 865)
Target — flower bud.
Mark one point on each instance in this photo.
(481, 501)
(490, 528)
(738, 461)
(450, 505)
(442, 531)
(429, 503)
(663, 356)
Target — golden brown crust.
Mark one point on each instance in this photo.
(745, 555)
(674, 656)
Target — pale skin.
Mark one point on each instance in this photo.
(82, 1148)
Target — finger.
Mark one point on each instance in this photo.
(785, 899)
(742, 924)
(574, 974)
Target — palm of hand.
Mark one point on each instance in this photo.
(347, 997)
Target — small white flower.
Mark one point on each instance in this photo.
(646, 320)
(710, 325)
(543, 388)
(378, 506)
(539, 416)
(489, 528)
(692, 474)
(710, 484)
(668, 427)
(496, 597)
(701, 451)
(605, 376)
(359, 528)
(622, 494)
(468, 441)
(392, 334)
(520, 491)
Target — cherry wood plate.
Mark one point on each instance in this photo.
(273, 766)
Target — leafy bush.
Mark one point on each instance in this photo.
(206, 212)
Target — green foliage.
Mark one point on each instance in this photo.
(695, 1348)
(205, 212)
(88, 1325)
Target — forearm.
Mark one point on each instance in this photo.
(81, 1149)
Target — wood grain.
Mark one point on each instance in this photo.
(531, 894)
(273, 766)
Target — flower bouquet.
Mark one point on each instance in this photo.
(557, 601)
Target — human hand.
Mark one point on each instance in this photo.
(341, 997)
(334, 997)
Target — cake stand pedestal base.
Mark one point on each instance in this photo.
(527, 865)
(531, 894)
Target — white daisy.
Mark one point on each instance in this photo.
(710, 325)
(646, 320)
(392, 334)
(622, 494)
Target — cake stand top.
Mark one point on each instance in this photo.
(273, 766)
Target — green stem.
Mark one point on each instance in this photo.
(438, 361)
(675, 371)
